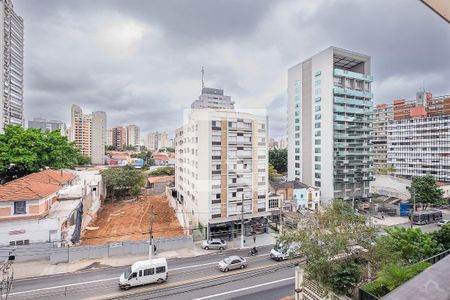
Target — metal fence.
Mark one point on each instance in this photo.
(55, 254)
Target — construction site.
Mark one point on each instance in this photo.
(130, 221)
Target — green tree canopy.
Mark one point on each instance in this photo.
(442, 236)
(410, 244)
(426, 191)
(121, 182)
(278, 158)
(23, 151)
(326, 240)
(163, 171)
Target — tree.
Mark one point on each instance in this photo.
(163, 171)
(111, 148)
(426, 191)
(326, 241)
(411, 244)
(167, 149)
(121, 182)
(24, 151)
(146, 156)
(442, 236)
(278, 158)
(273, 175)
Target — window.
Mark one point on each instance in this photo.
(140, 273)
(233, 194)
(133, 275)
(160, 269)
(273, 203)
(317, 150)
(318, 91)
(217, 196)
(317, 125)
(317, 82)
(317, 142)
(317, 108)
(20, 207)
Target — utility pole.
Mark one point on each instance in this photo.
(413, 195)
(150, 252)
(281, 220)
(6, 276)
(242, 222)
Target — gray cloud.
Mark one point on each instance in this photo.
(140, 60)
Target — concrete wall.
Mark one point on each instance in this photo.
(55, 254)
(390, 186)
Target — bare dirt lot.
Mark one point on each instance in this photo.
(126, 221)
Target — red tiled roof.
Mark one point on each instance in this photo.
(51, 176)
(159, 179)
(442, 183)
(35, 186)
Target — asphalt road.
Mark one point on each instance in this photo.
(194, 277)
(429, 227)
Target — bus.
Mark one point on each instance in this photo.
(427, 216)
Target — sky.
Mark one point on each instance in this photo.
(140, 61)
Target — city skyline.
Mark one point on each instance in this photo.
(131, 53)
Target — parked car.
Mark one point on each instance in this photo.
(231, 263)
(443, 222)
(144, 272)
(215, 244)
(282, 252)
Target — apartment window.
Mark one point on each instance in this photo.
(318, 91)
(316, 158)
(317, 125)
(317, 142)
(318, 73)
(317, 99)
(217, 196)
(317, 133)
(297, 121)
(297, 135)
(317, 108)
(317, 183)
(233, 194)
(317, 117)
(20, 207)
(317, 175)
(297, 128)
(297, 143)
(316, 167)
(317, 82)
(297, 165)
(317, 150)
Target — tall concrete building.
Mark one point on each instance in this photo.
(133, 135)
(119, 136)
(213, 98)
(329, 124)
(163, 141)
(109, 137)
(152, 141)
(51, 125)
(12, 60)
(413, 136)
(221, 168)
(99, 138)
(382, 115)
(88, 131)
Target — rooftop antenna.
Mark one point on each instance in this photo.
(203, 74)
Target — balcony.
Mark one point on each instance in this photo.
(341, 100)
(353, 110)
(348, 92)
(353, 75)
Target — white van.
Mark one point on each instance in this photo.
(144, 272)
(283, 252)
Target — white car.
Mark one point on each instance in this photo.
(215, 244)
(443, 222)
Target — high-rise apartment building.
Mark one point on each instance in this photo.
(119, 136)
(109, 138)
(413, 136)
(163, 141)
(98, 138)
(213, 98)
(50, 125)
(88, 131)
(222, 164)
(382, 115)
(11, 58)
(152, 141)
(133, 136)
(329, 108)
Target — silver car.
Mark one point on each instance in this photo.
(443, 222)
(232, 262)
(216, 244)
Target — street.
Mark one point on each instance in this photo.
(196, 278)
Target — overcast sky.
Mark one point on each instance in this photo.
(140, 61)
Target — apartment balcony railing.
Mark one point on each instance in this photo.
(348, 92)
(353, 75)
(341, 100)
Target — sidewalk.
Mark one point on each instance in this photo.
(44, 268)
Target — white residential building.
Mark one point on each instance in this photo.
(50, 125)
(213, 98)
(329, 107)
(163, 141)
(89, 132)
(11, 57)
(222, 162)
(133, 135)
(152, 141)
(420, 146)
(99, 138)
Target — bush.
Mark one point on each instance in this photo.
(375, 288)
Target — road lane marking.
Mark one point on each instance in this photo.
(107, 279)
(244, 289)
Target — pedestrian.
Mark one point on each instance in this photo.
(154, 249)
(254, 238)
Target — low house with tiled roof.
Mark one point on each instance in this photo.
(28, 204)
(157, 184)
(296, 195)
